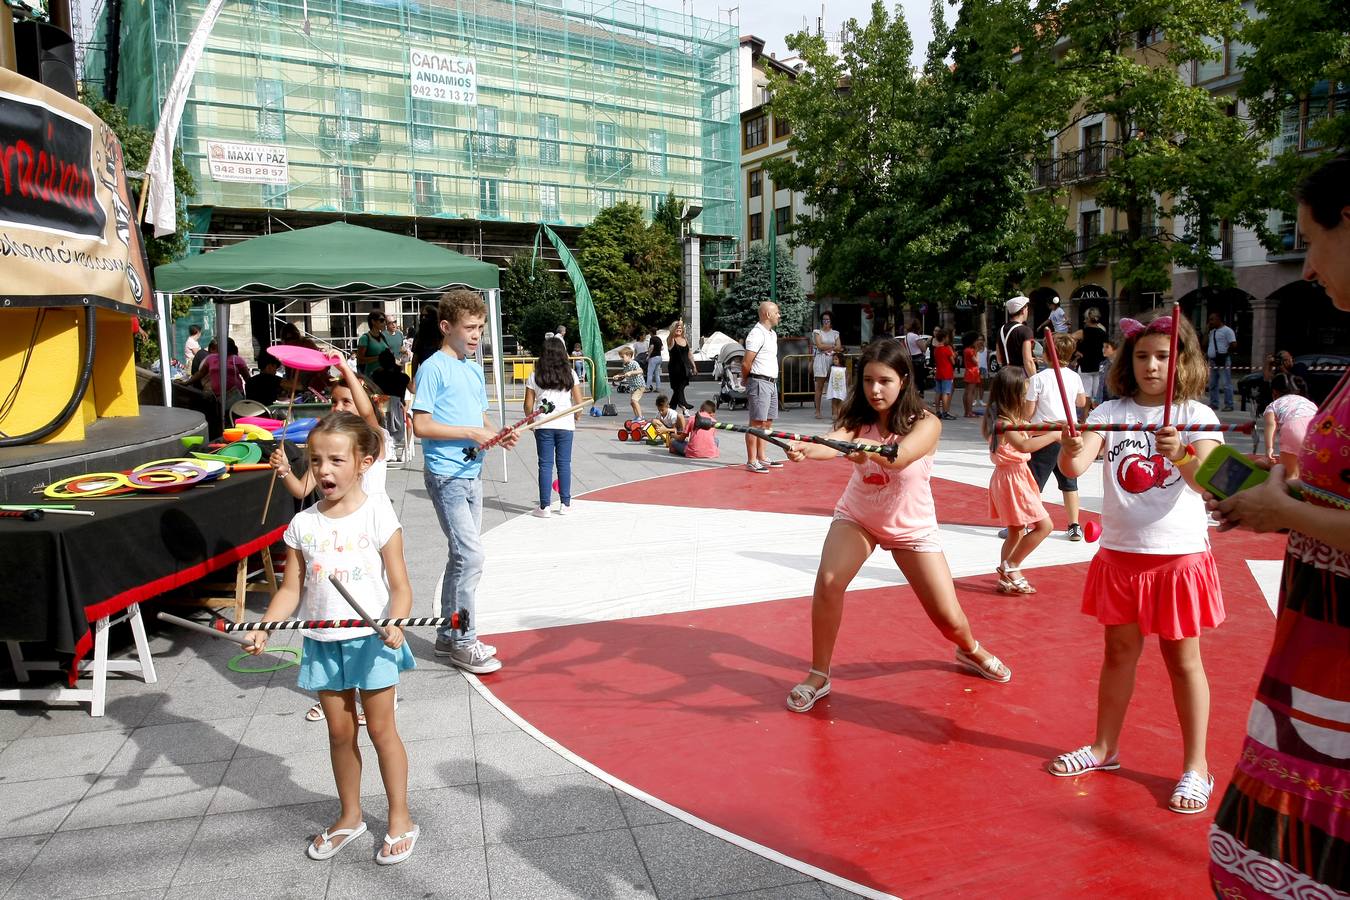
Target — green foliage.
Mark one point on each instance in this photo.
(739, 311)
(668, 215)
(136, 143)
(632, 269)
(527, 282)
(542, 317)
(1294, 45)
(147, 341)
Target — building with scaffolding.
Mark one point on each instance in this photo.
(465, 123)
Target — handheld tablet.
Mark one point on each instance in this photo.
(1226, 471)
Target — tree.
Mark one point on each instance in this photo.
(632, 269)
(739, 311)
(527, 282)
(669, 214)
(542, 317)
(136, 143)
(1298, 49)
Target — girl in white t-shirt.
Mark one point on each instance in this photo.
(1154, 573)
(357, 540)
(554, 380)
(1289, 414)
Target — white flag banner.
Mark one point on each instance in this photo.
(161, 205)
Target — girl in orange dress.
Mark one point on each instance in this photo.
(1014, 499)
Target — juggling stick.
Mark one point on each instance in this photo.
(1059, 380)
(459, 621)
(28, 515)
(557, 415)
(1172, 363)
(545, 407)
(777, 438)
(351, 601)
(1001, 427)
(205, 629)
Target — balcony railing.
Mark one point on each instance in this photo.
(491, 148)
(1082, 246)
(357, 135)
(605, 163)
(1084, 163)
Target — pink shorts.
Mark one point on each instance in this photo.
(1292, 433)
(926, 542)
(1170, 596)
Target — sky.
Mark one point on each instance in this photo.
(773, 20)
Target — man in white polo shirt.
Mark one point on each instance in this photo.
(761, 386)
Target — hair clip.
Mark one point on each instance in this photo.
(1132, 328)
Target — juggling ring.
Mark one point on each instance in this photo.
(234, 666)
(167, 478)
(69, 488)
(213, 468)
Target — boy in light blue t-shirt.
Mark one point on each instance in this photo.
(450, 416)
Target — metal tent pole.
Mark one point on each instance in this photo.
(166, 379)
(498, 370)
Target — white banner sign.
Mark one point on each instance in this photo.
(252, 163)
(448, 79)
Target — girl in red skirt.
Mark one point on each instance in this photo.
(1154, 574)
(1014, 499)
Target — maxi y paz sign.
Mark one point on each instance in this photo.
(447, 79)
(251, 163)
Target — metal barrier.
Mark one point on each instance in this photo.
(516, 370)
(796, 378)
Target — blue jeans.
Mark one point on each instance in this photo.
(554, 444)
(1220, 376)
(653, 372)
(459, 506)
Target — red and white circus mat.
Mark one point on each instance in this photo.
(654, 634)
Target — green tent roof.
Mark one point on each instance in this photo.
(325, 259)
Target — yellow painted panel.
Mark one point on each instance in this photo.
(114, 384)
(51, 373)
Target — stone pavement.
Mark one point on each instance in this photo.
(208, 783)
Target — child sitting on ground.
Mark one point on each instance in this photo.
(668, 422)
(698, 443)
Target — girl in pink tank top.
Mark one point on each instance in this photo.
(886, 504)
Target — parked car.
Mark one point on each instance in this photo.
(1324, 370)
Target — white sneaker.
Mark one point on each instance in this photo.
(564, 509)
(474, 659)
(540, 512)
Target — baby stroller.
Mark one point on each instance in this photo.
(731, 389)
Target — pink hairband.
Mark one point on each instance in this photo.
(1133, 328)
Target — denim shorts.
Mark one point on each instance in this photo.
(364, 663)
(944, 385)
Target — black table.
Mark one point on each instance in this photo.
(65, 578)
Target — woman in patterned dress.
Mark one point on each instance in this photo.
(1283, 829)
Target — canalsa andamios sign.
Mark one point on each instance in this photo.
(66, 231)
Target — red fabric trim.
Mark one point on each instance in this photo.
(119, 602)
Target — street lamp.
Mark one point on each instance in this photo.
(692, 271)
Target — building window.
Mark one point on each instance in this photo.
(606, 134)
(754, 183)
(755, 132)
(1094, 150)
(489, 197)
(548, 201)
(1209, 68)
(352, 187)
(549, 152)
(486, 118)
(1089, 229)
(424, 190)
(604, 199)
(656, 152)
(1147, 37)
(1297, 122)
(781, 127)
(271, 109)
(349, 114)
(423, 135)
(756, 226)
(782, 220)
(274, 195)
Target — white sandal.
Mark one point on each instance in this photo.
(1009, 583)
(987, 669)
(326, 849)
(1192, 787)
(808, 694)
(1081, 762)
(393, 859)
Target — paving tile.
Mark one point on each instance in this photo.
(272, 841)
(451, 820)
(640, 812)
(92, 862)
(428, 876)
(282, 698)
(15, 855)
(283, 735)
(516, 755)
(601, 865)
(39, 807)
(687, 863)
(148, 795)
(179, 744)
(835, 893)
(440, 762)
(806, 890)
(486, 718)
(548, 807)
(122, 713)
(302, 882)
(14, 722)
(221, 701)
(31, 759)
(434, 679)
(258, 782)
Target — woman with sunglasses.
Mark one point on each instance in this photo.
(370, 345)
